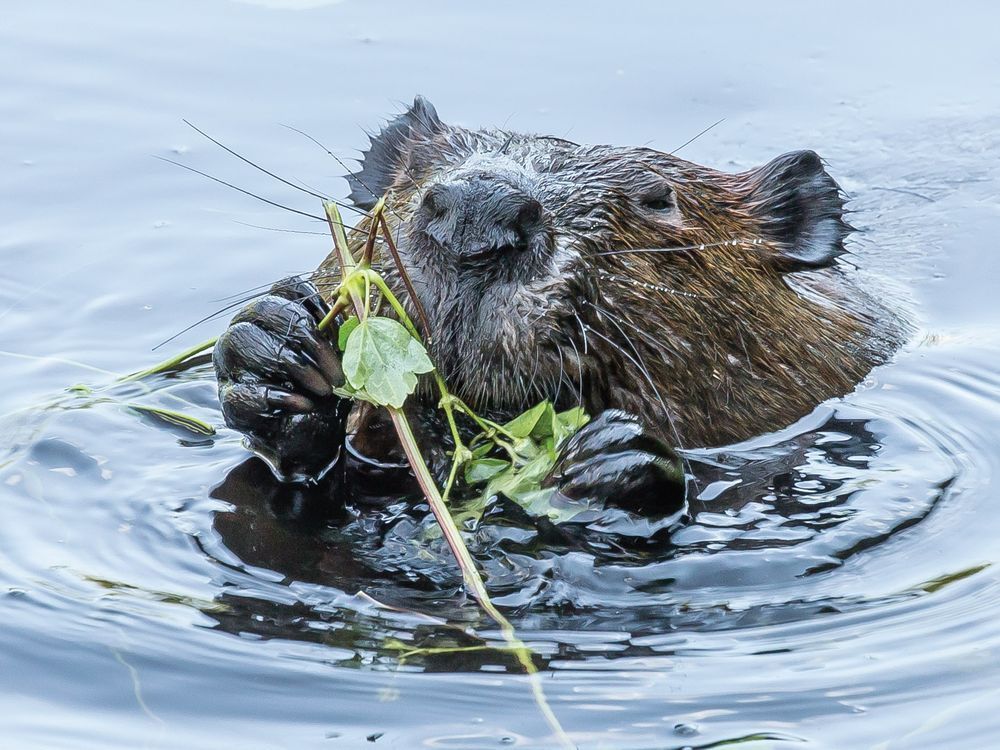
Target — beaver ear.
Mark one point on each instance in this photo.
(387, 156)
(801, 208)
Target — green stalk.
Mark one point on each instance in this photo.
(446, 402)
(171, 416)
(470, 573)
(171, 363)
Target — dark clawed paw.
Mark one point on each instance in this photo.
(275, 374)
(612, 460)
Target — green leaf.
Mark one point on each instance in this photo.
(541, 422)
(515, 481)
(535, 470)
(346, 391)
(522, 425)
(539, 503)
(175, 419)
(481, 451)
(573, 419)
(382, 360)
(527, 448)
(507, 482)
(483, 469)
(545, 427)
(568, 422)
(345, 331)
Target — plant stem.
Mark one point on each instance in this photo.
(485, 425)
(462, 453)
(366, 258)
(347, 264)
(470, 573)
(338, 307)
(455, 463)
(394, 252)
(171, 363)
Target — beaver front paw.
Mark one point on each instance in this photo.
(275, 374)
(613, 460)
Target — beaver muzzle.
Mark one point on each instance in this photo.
(479, 217)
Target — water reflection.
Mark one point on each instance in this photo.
(769, 518)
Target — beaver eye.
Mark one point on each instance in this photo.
(657, 204)
(661, 200)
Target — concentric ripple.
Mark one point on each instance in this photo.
(836, 542)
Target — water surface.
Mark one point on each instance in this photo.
(838, 585)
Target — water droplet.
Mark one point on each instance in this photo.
(685, 730)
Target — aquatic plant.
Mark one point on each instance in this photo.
(382, 360)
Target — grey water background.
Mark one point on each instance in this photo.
(850, 599)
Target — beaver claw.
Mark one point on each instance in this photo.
(612, 460)
(275, 373)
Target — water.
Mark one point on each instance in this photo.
(838, 586)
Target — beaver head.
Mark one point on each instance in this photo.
(711, 304)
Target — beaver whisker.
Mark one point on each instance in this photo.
(546, 382)
(506, 144)
(241, 190)
(497, 389)
(257, 288)
(605, 312)
(319, 278)
(279, 229)
(640, 363)
(615, 320)
(653, 287)
(211, 316)
(241, 298)
(343, 165)
(579, 237)
(252, 164)
(683, 249)
(534, 373)
(645, 372)
(527, 387)
(579, 371)
(556, 139)
(559, 381)
(583, 332)
(692, 140)
(308, 186)
(307, 191)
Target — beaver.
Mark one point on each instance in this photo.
(679, 305)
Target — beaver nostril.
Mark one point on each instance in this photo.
(526, 224)
(429, 204)
(529, 215)
(436, 201)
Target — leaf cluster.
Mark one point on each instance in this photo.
(532, 442)
(382, 362)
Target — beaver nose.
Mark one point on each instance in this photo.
(481, 217)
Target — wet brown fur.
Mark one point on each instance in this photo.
(709, 345)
